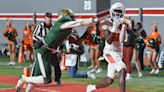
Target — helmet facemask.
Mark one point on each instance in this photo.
(117, 13)
(117, 10)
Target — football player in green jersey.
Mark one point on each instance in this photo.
(41, 73)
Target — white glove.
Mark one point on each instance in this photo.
(116, 24)
(126, 21)
(95, 19)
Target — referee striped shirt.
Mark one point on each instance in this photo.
(40, 31)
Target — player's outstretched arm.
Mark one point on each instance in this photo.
(72, 24)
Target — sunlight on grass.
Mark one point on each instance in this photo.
(2, 86)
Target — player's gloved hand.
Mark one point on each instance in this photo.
(126, 21)
(95, 19)
(116, 24)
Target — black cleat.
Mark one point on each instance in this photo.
(58, 83)
(17, 89)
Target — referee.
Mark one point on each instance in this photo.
(39, 33)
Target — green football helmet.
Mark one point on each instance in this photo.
(67, 12)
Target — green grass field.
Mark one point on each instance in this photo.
(148, 83)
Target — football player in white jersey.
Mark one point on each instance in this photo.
(114, 28)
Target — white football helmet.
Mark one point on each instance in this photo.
(117, 10)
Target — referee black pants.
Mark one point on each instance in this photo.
(55, 63)
(141, 55)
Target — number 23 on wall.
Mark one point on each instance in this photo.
(87, 5)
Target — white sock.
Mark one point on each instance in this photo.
(34, 79)
(94, 87)
(128, 75)
(29, 87)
